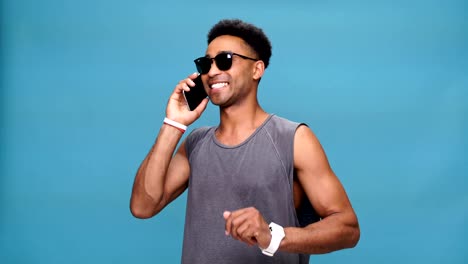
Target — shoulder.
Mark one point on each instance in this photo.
(308, 151)
(283, 121)
(199, 132)
(305, 142)
(282, 124)
(196, 136)
(283, 133)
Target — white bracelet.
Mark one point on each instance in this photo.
(175, 124)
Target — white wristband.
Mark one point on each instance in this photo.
(277, 234)
(175, 124)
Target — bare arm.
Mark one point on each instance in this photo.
(163, 175)
(339, 226)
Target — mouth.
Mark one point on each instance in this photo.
(218, 85)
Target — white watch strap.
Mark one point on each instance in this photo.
(277, 234)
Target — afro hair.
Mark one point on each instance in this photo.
(252, 35)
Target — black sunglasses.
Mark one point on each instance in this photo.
(223, 61)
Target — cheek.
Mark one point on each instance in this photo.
(243, 78)
(244, 81)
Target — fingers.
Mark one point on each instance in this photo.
(186, 83)
(177, 108)
(246, 225)
(239, 227)
(201, 107)
(193, 75)
(246, 233)
(227, 228)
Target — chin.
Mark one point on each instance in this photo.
(221, 103)
(217, 102)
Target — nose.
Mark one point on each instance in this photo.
(214, 70)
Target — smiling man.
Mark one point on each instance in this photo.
(260, 188)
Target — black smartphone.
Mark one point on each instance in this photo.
(196, 94)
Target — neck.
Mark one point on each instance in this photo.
(238, 122)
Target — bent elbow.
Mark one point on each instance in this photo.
(354, 237)
(144, 206)
(142, 211)
(141, 214)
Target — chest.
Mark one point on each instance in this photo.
(246, 173)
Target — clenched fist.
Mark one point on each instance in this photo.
(249, 226)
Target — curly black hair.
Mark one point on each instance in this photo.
(251, 34)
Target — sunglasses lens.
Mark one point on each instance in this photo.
(223, 61)
(203, 65)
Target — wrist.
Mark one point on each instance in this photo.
(277, 235)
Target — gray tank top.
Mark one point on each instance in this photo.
(256, 173)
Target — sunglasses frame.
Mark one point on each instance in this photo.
(217, 59)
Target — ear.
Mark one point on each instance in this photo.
(258, 70)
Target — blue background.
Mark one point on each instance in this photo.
(84, 84)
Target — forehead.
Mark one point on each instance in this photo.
(227, 43)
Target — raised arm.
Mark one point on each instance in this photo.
(339, 226)
(163, 175)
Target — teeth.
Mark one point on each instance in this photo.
(218, 85)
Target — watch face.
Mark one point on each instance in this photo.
(276, 229)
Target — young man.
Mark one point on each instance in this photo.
(252, 179)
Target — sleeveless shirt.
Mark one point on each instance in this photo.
(256, 173)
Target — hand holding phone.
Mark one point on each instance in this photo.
(196, 94)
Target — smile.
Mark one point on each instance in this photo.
(218, 85)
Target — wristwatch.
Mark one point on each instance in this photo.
(277, 234)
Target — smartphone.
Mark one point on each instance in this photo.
(196, 94)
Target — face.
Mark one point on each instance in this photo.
(234, 85)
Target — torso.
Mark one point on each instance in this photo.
(256, 172)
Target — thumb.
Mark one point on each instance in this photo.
(226, 215)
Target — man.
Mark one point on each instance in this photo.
(252, 179)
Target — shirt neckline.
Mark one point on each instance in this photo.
(217, 142)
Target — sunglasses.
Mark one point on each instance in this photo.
(223, 61)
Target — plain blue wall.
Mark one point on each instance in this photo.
(84, 84)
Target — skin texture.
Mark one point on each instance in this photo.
(163, 174)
